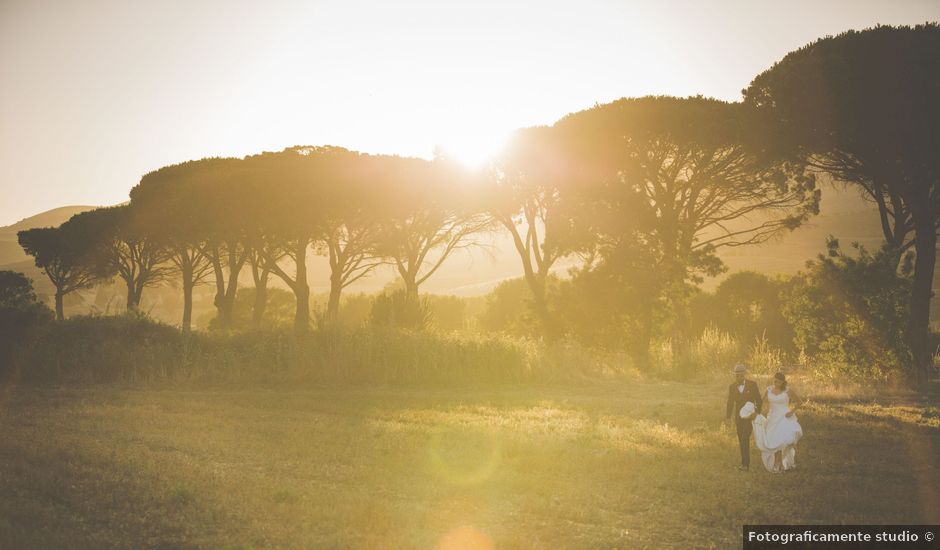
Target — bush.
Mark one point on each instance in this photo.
(849, 313)
(506, 308)
(21, 314)
(100, 349)
(398, 310)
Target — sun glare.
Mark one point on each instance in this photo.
(474, 148)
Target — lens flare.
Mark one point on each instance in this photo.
(465, 538)
(464, 458)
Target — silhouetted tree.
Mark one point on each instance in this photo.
(527, 197)
(289, 189)
(429, 213)
(260, 273)
(16, 289)
(350, 235)
(865, 108)
(133, 247)
(675, 179)
(221, 192)
(176, 220)
(69, 255)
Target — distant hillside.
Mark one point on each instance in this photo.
(843, 214)
(49, 218)
(10, 251)
(12, 256)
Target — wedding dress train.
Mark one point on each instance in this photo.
(776, 432)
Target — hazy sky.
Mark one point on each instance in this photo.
(93, 94)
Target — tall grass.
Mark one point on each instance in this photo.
(134, 349)
(713, 353)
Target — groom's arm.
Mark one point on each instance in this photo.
(757, 399)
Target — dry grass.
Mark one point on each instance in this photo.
(597, 465)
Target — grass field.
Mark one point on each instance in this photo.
(643, 465)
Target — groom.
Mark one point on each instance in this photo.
(740, 392)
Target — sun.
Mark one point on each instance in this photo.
(474, 148)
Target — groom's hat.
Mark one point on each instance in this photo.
(739, 369)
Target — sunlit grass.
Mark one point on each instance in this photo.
(600, 465)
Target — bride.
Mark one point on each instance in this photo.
(777, 434)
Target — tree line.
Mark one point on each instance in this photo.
(643, 191)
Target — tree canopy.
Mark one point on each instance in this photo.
(864, 107)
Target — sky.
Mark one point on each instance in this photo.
(96, 93)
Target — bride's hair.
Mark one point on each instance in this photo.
(783, 379)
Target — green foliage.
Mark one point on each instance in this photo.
(849, 313)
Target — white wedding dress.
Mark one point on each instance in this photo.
(776, 432)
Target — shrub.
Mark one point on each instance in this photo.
(849, 313)
(398, 310)
(21, 314)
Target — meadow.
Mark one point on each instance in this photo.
(593, 464)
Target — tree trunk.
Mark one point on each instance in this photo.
(918, 330)
(227, 313)
(302, 289)
(411, 289)
(219, 300)
(332, 306)
(225, 293)
(225, 302)
(186, 274)
(133, 299)
(261, 299)
(187, 303)
(549, 327)
(59, 309)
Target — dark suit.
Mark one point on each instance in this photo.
(736, 400)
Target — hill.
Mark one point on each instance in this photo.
(10, 251)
